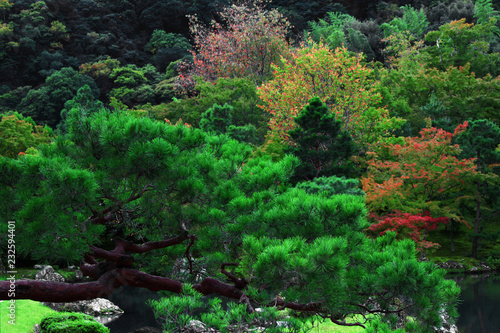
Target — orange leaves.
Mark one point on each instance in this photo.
(422, 170)
(339, 80)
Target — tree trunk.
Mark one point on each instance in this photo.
(452, 244)
(477, 219)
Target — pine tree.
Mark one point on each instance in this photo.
(166, 194)
(320, 144)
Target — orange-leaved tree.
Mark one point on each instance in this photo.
(340, 80)
(420, 174)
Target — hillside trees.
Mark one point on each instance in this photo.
(458, 43)
(239, 93)
(176, 193)
(424, 82)
(413, 21)
(18, 133)
(343, 30)
(44, 105)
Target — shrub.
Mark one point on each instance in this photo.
(71, 322)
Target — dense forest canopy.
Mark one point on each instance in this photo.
(297, 157)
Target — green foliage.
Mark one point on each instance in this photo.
(134, 85)
(331, 31)
(71, 322)
(483, 11)
(341, 29)
(321, 145)
(329, 186)
(17, 134)
(176, 312)
(479, 141)
(307, 263)
(50, 62)
(158, 180)
(217, 118)
(413, 21)
(44, 105)
(166, 48)
(458, 43)
(83, 104)
(240, 94)
(161, 39)
(448, 97)
(247, 133)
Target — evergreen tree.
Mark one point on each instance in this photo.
(84, 103)
(235, 222)
(218, 120)
(328, 186)
(480, 141)
(320, 144)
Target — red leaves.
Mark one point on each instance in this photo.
(408, 225)
(250, 39)
(420, 172)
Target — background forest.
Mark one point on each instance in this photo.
(388, 110)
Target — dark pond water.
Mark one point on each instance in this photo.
(479, 310)
(137, 313)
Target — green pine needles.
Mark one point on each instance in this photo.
(173, 194)
(321, 145)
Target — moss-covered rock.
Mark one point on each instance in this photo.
(70, 322)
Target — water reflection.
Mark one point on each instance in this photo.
(479, 310)
(137, 314)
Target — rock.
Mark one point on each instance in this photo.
(94, 307)
(36, 329)
(48, 274)
(450, 264)
(482, 267)
(147, 329)
(78, 275)
(106, 319)
(446, 326)
(194, 326)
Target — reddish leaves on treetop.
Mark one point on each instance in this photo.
(417, 174)
(249, 39)
(407, 225)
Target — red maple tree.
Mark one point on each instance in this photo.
(421, 173)
(407, 225)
